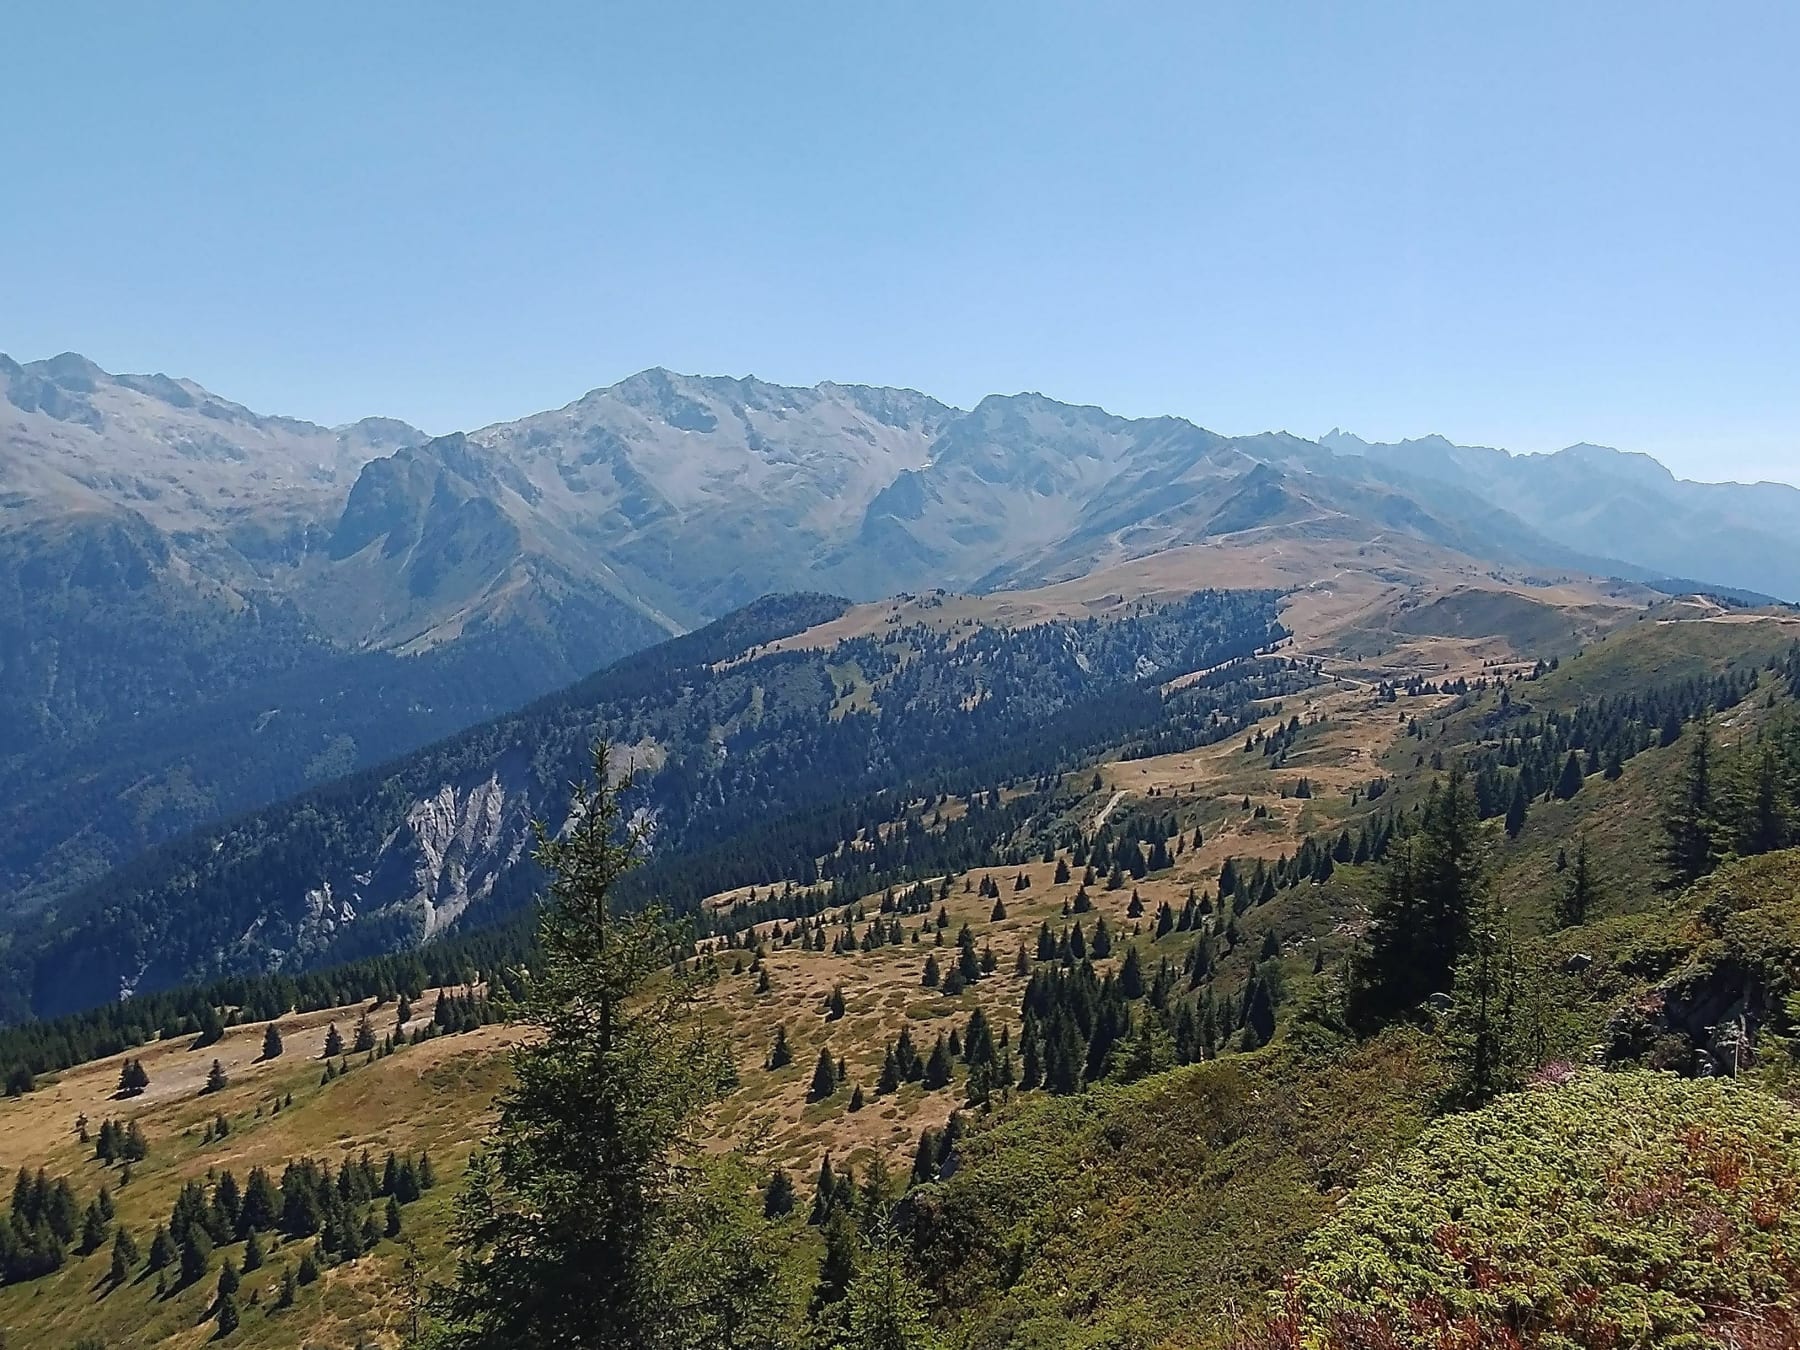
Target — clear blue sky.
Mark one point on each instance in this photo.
(1517, 224)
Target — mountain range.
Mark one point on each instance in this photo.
(204, 609)
(1618, 504)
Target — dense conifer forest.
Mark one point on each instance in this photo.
(741, 748)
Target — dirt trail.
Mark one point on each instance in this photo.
(1107, 810)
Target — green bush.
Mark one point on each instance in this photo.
(1624, 1209)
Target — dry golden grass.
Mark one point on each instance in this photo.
(437, 1095)
(1335, 587)
(433, 1096)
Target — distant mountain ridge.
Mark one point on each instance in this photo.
(204, 609)
(1620, 504)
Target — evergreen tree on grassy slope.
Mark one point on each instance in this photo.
(1420, 926)
(1688, 851)
(562, 1225)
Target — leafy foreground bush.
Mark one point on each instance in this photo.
(1617, 1210)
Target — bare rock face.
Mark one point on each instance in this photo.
(450, 848)
(322, 916)
(454, 845)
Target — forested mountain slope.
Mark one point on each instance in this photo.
(1106, 1052)
(386, 858)
(181, 577)
(166, 657)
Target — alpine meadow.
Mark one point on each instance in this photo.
(726, 863)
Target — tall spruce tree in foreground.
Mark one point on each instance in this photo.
(885, 1307)
(562, 1225)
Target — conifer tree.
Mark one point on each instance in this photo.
(1031, 1065)
(93, 1230)
(836, 1270)
(1762, 813)
(968, 964)
(1568, 783)
(1064, 1056)
(216, 1081)
(1419, 926)
(824, 1079)
(1259, 1013)
(778, 1195)
(1488, 1028)
(212, 1028)
(1131, 975)
(1516, 809)
(564, 1219)
(194, 1253)
(824, 1192)
(132, 1078)
(162, 1249)
(271, 1046)
(780, 1056)
(124, 1256)
(1579, 890)
(1101, 947)
(885, 1308)
(937, 1068)
(334, 1042)
(889, 1081)
(1688, 850)
(906, 1056)
(924, 1168)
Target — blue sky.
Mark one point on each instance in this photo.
(1523, 224)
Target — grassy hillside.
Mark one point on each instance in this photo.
(428, 1097)
(1145, 1214)
(1158, 1206)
